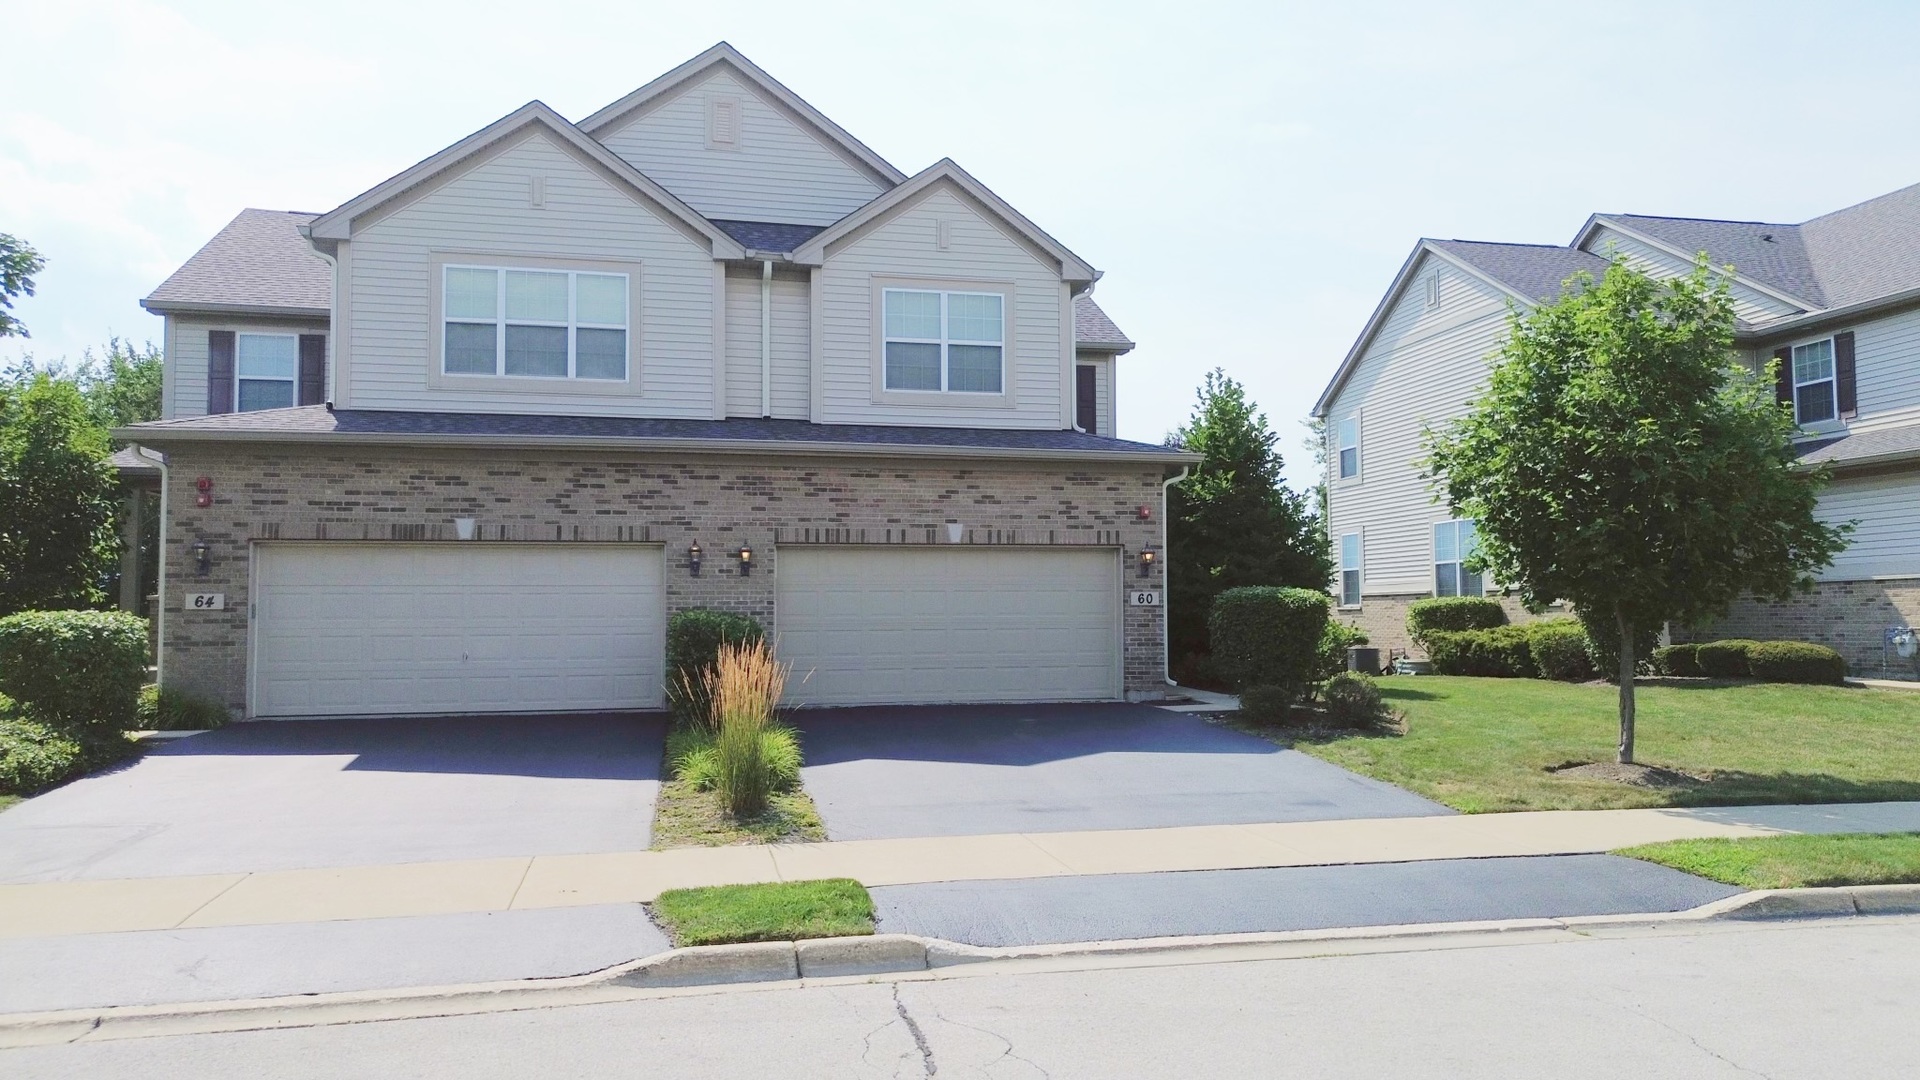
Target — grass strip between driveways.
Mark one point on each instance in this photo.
(1793, 862)
(1482, 745)
(684, 815)
(780, 911)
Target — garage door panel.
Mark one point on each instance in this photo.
(887, 625)
(422, 628)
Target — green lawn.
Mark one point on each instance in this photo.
(1793, 862)
(1483, 745)
(783, 911)
(8, 800)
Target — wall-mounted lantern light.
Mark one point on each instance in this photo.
(201, 563)
(1148, 557)
(693, 559)
(746, 560)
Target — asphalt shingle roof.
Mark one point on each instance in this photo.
(1895, 442)
(258, 260)
(769, 235)
(1092, 327)
(1770, 253)
(1535, 271)
(368, 425)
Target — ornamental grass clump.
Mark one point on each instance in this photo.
(745, 687)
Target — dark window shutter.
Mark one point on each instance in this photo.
(220, 371)
(1086, 403)
(313, 369)
(1783, 379)
(1843, 373)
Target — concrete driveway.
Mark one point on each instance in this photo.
(318, 793)
(955, 770)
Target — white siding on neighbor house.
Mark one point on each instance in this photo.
(487, 210)
(781, 170)
(183, 389)
(792, 341)
(1750, 304)
(1103, 372)
(905, 246)
(1423, 366)
(1886, 543)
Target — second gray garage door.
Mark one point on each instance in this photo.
(866, 625)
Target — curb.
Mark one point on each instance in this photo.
(771, 963)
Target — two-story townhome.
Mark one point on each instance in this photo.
(467, 440)
(1835, 300)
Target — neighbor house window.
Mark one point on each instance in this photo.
(1454, 542)
(944, 341)
(551, 324)
(1348, 440)
(1350, 570)
(1813, 382)
(266, 368)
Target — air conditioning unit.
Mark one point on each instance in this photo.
(1903, 648)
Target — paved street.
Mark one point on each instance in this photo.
(1787, 1001)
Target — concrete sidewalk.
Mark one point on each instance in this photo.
(47, 909)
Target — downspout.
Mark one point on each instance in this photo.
(1166, 635)
(766, 337)
(333, 330)
(160, 584)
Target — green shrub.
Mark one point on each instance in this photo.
(167, 709)
(1335, 640)
(78, 671)
(1559, 650)
(1603, 646)
(34, 757)
(1725, 659)
(1268, 704)
(1796, 662)
(1453, 613)
(1266, 635)
(1353, 699)
(1682, 660)
(1499, 652)
(691, 757)
(694, 637)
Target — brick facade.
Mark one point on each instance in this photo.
(1850, 617)
(1384, 618)
(410, 495)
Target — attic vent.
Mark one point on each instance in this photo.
(1433, 290)
(943, 234)
(536, 191)
(1767, 236)
(723, 123)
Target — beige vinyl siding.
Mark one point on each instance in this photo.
(780, 171)
(1749, 304)
(1887, 370)
(792, 342)
(1422, 367)
(184, 379)
(904, 246)
(1886, 542)
(1103, 372)
(486, 210)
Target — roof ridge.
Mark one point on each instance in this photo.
(1502, 243)
(1861, 203)
(1709, 220)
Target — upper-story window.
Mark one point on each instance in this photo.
(944, 341)
(1813, 382)
(1347, 440)
(1454, 542)
(552, 324)
(266, 369)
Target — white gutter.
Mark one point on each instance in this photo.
(333, 331)
(766, 337)
(1166, 577)
(160, 583)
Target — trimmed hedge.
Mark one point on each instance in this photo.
(1268, 704)
(1500, 652)
(1353, 699)
(1265, 635)
(1725, 659)
(1452, 613)
(35, 757)
(1603, 646)
(167, 709)
(1682, 660)
(1796, 662)
(1559, 649)
(694, 637)
(77, 671)
(1334, 643)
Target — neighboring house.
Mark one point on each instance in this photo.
(464, 442)
(1836, 300)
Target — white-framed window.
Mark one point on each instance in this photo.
(1454, 542)
(954, 342)
(1347, 447)
(1350, 569)
(266, 371)
(1813, 382)
(550, 324)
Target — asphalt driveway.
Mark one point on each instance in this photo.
(904, 771)
(315, 793)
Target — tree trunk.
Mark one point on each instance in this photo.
(1627, 661)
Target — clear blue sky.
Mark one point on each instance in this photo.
(1249, 176)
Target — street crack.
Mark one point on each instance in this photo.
(913, 1028)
